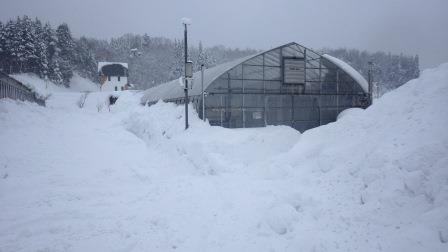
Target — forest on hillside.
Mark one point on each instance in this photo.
(389, 71)
(28, 45)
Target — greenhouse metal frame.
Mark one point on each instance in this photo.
(288, 85)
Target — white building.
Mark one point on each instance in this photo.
(113, 76)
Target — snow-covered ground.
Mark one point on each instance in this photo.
(129, 178)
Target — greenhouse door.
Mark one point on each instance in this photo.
(278, 109)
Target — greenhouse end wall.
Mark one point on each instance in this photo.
(290, 85)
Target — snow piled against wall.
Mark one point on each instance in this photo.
(45, 88)
(133, 179)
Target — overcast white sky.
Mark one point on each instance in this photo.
(407, 26)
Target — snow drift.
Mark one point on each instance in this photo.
(133, 179)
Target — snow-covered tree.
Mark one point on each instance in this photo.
(179, 61)
(11, 49)
(84, 60)
(146, 43)
(2, 45)
(202, 58)
(50, 38)
(27, 52)
(41, 65)
(66, 53)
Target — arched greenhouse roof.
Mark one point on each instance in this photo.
(356, 76)
(173, 89)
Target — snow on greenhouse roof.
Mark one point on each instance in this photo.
(350, 71)
(173, 88)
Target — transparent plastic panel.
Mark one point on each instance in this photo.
(313, 63)
(255, 61)
(328, 114)
(213, 101)
(346, 87)
(215, 116)
(253, 86)
(254, 117)
(236, 86)
(236, 72)
(272, 58)
(272, 73)
(328, 101)
(346, 101)
(236, 100)
(224, 76)
(253, 101)
(328, 75)
(279, 101)
(235, 118)
(312, 74)
(272, 86)
(312, 87)
(301, 101)
(311, 55)
(252, 72)
(292, 51)
(293, 88)
(306, 114)
(219, 85)
(277, 116)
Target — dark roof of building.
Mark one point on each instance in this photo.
(114, 70)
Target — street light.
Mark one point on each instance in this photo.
(370, 81)
(188, 73)
(203, 95)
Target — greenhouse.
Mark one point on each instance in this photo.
(288, 85)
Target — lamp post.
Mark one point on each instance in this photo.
(203, 94)
(370, 81)
(187, 67)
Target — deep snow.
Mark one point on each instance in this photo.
(129, 178)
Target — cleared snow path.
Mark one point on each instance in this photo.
(86, 179)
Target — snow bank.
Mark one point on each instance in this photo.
(208, 149)
(379, 176)
(349, 112)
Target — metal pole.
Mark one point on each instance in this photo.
(185, 75)
(203, 95)
(370, 82)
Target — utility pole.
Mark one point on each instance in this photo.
(185, 74)
(370, 81)
(203, 94)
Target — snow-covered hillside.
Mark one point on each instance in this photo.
(129, 178)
